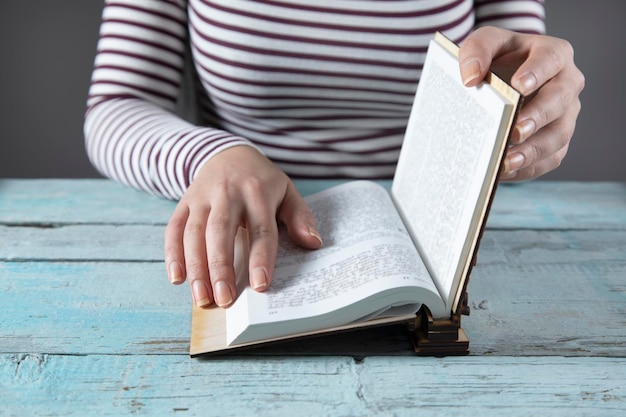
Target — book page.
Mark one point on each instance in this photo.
(367, 251)
(447, 151)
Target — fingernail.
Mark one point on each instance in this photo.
(200, 293)
(526, 83)
(175, 273)
(508, 175)
(513, 162)
(316, 235)
(259, 279)
(223, 297)
(470, 70)
(524, 129)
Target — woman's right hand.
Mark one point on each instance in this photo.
(237, 187)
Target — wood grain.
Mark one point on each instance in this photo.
(323, 386)
(530, 205)
(532, 293)
(89, 324)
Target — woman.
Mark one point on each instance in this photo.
(292, 88)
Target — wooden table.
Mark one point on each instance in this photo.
(89, 324)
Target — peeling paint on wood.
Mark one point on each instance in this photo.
(321, 386)
(89, 324)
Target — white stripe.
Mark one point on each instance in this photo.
(517, 24)
(137, 63)
(137, 48)
(136, 80)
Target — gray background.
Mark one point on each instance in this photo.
(47, 49)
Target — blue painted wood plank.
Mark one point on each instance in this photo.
(82, 308)
(145, 243)
(83, 242)
(89, 324)
(576, 309)
(560, 309)
(556, 204)
(42, 201)
(117, 385)
(535, 204)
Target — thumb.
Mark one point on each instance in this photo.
(297, 216)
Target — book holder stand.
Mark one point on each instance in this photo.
(445, 337)
(442, 337)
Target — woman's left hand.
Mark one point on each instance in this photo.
(544, 72)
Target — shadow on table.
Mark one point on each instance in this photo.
(392, 340)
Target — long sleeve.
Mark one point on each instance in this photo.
(526, 16)
(323, 90)
(131, 132)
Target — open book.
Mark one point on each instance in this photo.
(385, 252)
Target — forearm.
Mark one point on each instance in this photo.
(149, 148)
(131, 133)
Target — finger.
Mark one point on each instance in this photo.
(222, 224)
(547, 57)
(174, 250)
(543, 151)
(540, 57)
(300, 222)
(552, 101)
(540, 168)
(195, 258)
(263, 238)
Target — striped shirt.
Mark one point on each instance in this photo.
(323, 88)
